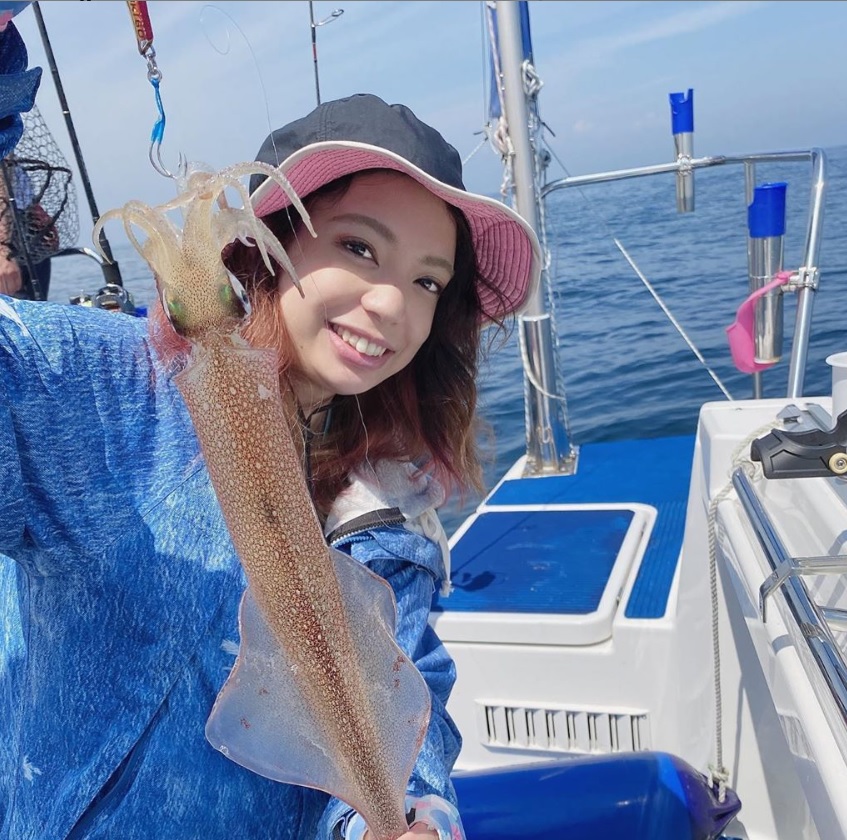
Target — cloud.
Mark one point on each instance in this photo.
(599, 50)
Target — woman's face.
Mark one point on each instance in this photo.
(371, 280)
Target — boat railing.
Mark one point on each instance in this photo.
(805, 279)
(812, 621)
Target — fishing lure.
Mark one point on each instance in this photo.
(321, 695)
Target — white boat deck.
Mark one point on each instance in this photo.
(538, 683)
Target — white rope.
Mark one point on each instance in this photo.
(530, 373)
(478, 147)
(718, 774)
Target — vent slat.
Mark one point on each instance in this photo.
(563, 730)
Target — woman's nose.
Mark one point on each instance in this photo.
(384, 300)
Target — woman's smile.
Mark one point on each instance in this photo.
(360, 343)
(371, 280)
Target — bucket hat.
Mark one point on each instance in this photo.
(363, 132)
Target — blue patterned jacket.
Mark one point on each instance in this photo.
(119, 592)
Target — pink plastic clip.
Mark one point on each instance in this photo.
(742, 343)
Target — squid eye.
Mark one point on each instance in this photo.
(175, 312)
(236, 291)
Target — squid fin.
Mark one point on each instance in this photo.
(262, 720)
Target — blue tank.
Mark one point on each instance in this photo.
(637, 796)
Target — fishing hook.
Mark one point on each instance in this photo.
(155, 152)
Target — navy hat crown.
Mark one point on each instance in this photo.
(365, 118)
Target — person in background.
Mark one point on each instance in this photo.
(18, 87)
(29, 235)
(119, 585)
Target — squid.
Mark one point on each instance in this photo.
(320, 694)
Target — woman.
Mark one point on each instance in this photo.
(119, 616)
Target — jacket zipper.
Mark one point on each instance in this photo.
(365, 522)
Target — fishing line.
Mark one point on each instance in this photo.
(367, 438)
(671, 318)
(224, 48)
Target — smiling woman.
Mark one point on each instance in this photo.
(376, 367)
(391, 273)
(405, 261)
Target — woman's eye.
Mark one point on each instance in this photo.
(430, 285)
(359, 248)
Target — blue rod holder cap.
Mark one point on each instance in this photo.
(682, 112)
(766, 215)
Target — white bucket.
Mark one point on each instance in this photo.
(838, 363)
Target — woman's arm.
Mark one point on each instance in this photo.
(412, 565)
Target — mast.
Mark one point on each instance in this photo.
(549, 449)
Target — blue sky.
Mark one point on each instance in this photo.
(766, 75)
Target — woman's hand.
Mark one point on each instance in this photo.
(416, 832)
(419, 830)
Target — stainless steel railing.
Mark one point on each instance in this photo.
(806, 277)
(812, 620)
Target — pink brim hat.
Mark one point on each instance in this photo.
(507, 250)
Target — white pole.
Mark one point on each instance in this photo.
(549, 448)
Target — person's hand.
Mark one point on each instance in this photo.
(419, 830)
(416, 832)
(10, 276)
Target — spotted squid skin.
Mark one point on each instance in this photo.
(272, 522)
(233, 396)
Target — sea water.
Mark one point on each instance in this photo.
(626, 370)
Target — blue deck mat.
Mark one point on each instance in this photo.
(554, 561)
(655, 472)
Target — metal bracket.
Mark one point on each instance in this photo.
(805, 277)
(795, 567)
(835, 618)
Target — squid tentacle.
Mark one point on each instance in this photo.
(163, 237)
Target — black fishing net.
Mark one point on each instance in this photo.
(39, 217)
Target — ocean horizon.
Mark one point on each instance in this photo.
(627, 372)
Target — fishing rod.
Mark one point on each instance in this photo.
(111, 271)
(314, 27)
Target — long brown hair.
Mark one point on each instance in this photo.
(425, 413)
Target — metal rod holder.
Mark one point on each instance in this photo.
(684, 146)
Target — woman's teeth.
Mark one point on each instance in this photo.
(358, 342)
